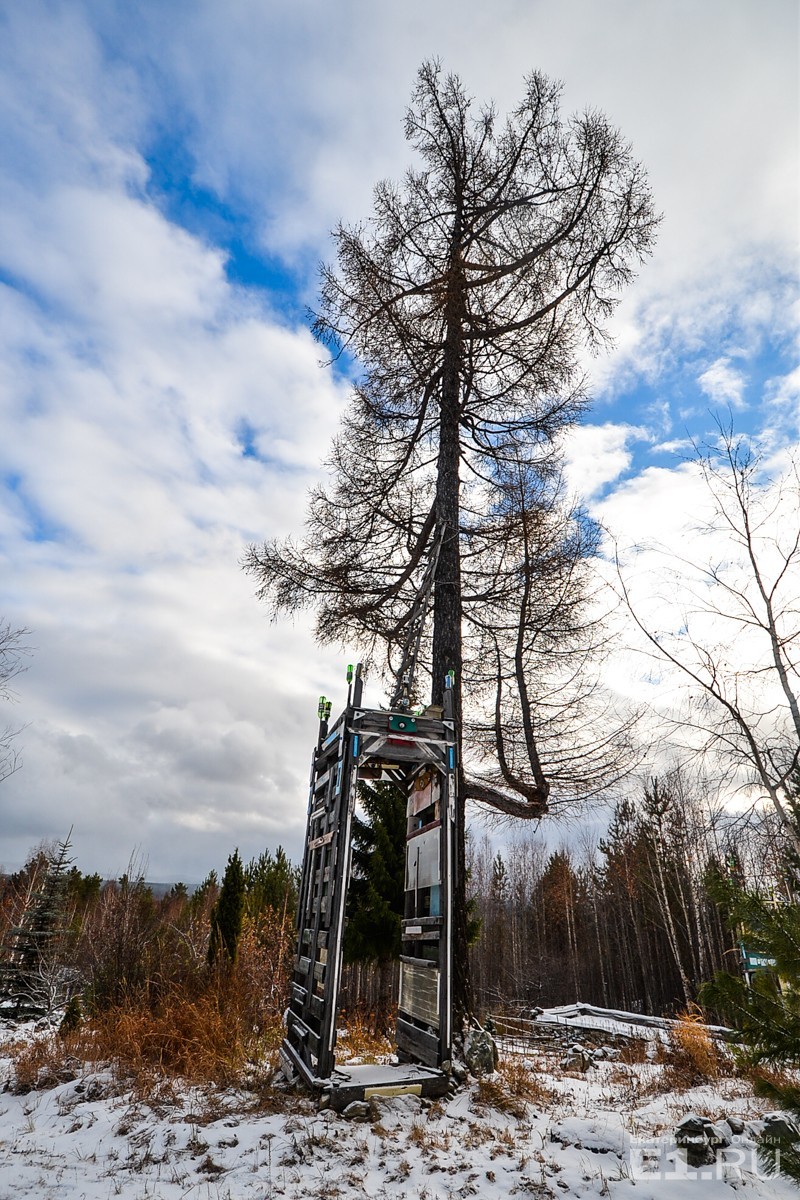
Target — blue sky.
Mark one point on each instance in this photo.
(169, 175)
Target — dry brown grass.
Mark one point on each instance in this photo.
(492, 1092)
(358, 1040)
(633, 1051)
(40, 1062)
(521, 1080)
(691, 1057)
(203, 1039)
(219, 1027)
(427, 1139)
(511, 1089)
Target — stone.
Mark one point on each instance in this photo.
(691, 1125)
(694, 1135)
(779, 1127)
(480, 1051)
(459, 1070)
(717, 1135)
(577, 1058)
(358, 1110)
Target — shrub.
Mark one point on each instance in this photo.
(691, 1056)
(521, 1080)
(40, 1062)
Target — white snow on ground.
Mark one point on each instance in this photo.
(605, 1133)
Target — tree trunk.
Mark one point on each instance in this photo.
(666, 913)
(600, 955)
(447, 609)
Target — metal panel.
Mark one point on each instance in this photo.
(419, 993)
(422, 860)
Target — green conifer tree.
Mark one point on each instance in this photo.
(30, 955)
(271, 882)
(766, 1011)
(227, 913)
(204, 896)
(377, 890)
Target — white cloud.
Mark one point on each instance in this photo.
(596, 455)
(673, 547)
(724, 384)
(658, 505)
(163, 710)
(784, 390)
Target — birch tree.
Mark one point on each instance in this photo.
(734, 631)
(12, 654)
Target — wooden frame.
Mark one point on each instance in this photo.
(416, 752)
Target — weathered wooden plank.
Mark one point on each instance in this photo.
(323, 840)
(302, 1035)
(418, 1043)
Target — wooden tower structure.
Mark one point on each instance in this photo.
(417, 752)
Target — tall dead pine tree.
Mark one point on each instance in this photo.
(465, 301)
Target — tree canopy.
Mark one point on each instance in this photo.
(466, 302)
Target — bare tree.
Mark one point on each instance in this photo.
(540, 721)
(12, 654)
(735, 633)
(466, 302)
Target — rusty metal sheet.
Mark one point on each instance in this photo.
(425, 793)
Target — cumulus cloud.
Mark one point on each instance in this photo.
(690, 582)
(596, 455)
(724, 384)
(156, 416)
(161, 710)
(706, 93)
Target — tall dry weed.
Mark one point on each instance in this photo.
(521, 1080)
(512, 1088)
(39, 1062)
(177, 1019)
(358, 1039)
(690, 1055)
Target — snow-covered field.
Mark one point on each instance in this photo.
(606, 1132)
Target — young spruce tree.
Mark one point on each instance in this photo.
(376, 893)
(766, 1012)
(227, 913)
